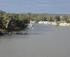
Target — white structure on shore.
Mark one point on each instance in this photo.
(47, 22)
(54, 23)
(64, 24)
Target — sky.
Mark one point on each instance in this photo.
(36, 6)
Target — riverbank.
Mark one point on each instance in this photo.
(13, 27)
(54, 23)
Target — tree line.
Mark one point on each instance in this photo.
(19, 21)
(12, 22)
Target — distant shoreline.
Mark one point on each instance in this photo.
(54, 23)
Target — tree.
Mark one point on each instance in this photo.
(44, 18)
(57, 18)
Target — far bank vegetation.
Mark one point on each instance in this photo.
(19, 21)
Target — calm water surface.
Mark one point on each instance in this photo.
(41, 41)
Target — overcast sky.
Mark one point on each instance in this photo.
(34, 6)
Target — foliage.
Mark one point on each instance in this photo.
(20, 19)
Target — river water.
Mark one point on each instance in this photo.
(40, 41)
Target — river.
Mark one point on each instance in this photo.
(40, 41)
